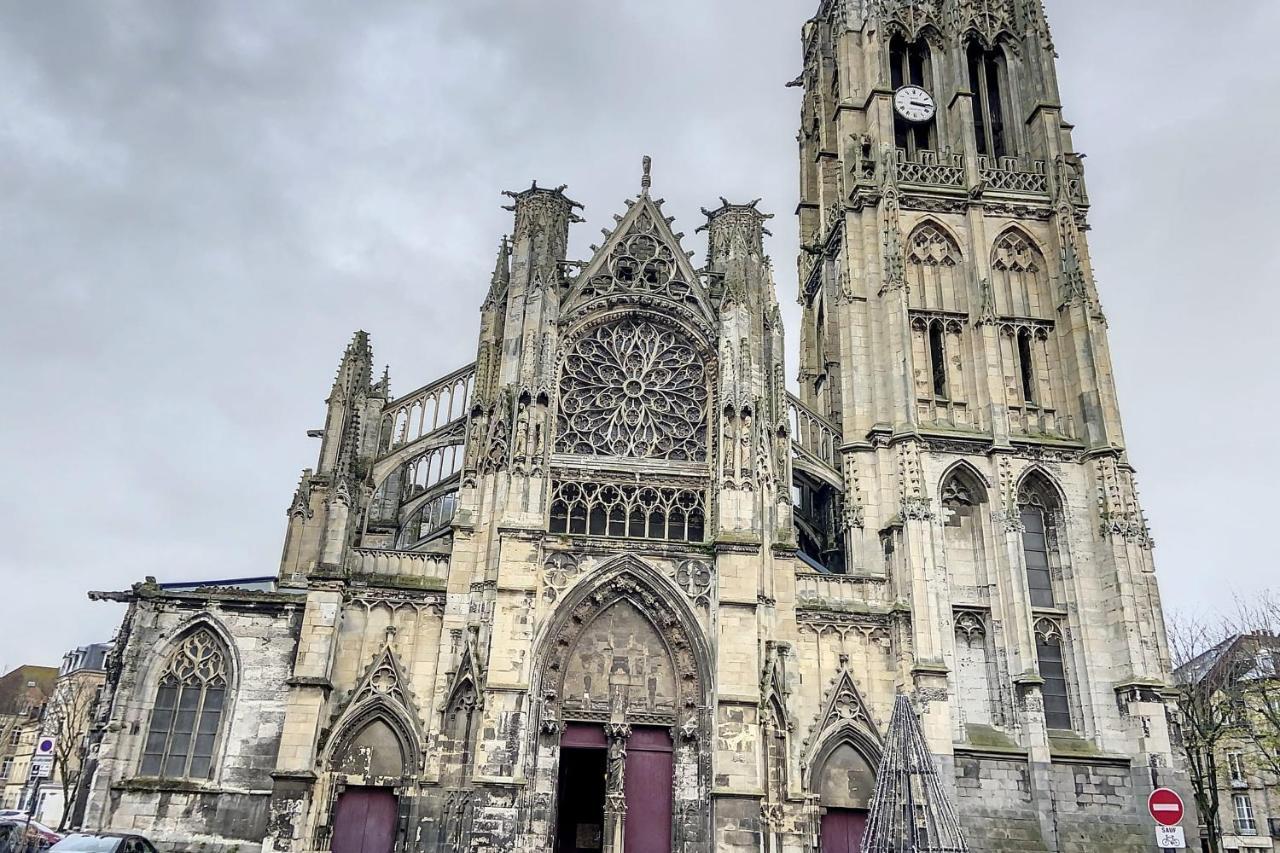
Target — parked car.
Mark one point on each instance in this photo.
(103, 842)
(18, 835)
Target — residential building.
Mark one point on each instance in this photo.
(1242, 676)
(23, 692)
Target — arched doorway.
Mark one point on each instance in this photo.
(368, 768)
(624, 698)
(845, 781)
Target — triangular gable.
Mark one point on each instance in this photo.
(773, 686)
(384, 684)
(641, 257)
(843, 707)
(468, 677)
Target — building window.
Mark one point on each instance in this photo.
(909, 65)
(6, 767)
(1245, 824)
(935, 277)
(1019, 278)
(1026, 367)
(1235, 766)
(1057, 702)
(988, 82)
(634, 389)
(189, 704)
(938, 360)
(627, 510)
(1035, 551)
(1038, 510)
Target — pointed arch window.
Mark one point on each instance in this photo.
(1038, 511)
(988, 80)
(1052, 667)
(933, 270)
(910, 65)
(187, 717)
(966, 548)
(1020, 277)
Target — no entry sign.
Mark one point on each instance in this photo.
(1165, 806)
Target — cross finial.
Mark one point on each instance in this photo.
(646, 180)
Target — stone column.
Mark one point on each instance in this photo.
(615, 797)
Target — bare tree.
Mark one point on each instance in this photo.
(1259, 623)
(67, 716)
(1206, 709)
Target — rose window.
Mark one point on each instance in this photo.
(634, 388)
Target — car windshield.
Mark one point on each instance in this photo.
(86, 844)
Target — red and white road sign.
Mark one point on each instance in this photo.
(1165, 806)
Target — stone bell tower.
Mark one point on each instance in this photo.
(954, 344)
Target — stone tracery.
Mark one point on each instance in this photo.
(634, 388)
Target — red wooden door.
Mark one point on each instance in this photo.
(365, 821)
(648, 782)
(842, 830)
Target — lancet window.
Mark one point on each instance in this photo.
(989, 82)
(1020, 277)
(1052, 666)
(934, 271)
(973, 668)
(1026, 357)
(938, 308)
(963, 497)
(187, 716)
(628, 510)
(1040, 512)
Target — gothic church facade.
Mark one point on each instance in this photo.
(611, 587)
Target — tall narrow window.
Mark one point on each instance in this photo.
(187, 716)
(962, 495)
(1235, 766)
(1026, 366)
(1245, 824)
(938, 360)
(1038, 511)
(1036, 553)
(909, 65)
(987, 82)
(1057, 704)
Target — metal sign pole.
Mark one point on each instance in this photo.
(31, 810)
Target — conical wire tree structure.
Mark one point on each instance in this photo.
(910, 810)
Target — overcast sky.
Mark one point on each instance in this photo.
(200, 202)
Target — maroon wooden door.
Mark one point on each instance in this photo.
(842, 830)
(648, 782)
(365, 821)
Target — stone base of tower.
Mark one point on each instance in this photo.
(1010, 805)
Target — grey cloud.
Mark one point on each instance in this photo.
(201, 201)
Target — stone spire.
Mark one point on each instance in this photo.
(910, 809)
(501, 279)
(351, 388)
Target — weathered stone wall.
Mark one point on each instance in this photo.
(230, 809)
(1009, 805)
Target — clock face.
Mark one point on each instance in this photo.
(914, 104)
